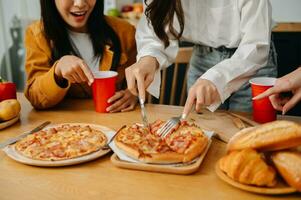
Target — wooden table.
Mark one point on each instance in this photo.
(99, 179)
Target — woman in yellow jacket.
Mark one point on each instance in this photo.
(72, 39)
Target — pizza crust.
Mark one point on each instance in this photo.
(195, 149)
(162, 158)
(167, 157)
(131, 152)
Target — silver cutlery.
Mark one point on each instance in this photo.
(169, 125)
(106, 147)
(16, 139)
(143, 113)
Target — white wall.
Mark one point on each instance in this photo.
(23, 12)
(23, 9)
(286, 10)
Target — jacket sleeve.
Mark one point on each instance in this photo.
(252, 52)
(41, 88)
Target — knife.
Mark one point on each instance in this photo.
(244, 119)
(16, 139)
(143, 113)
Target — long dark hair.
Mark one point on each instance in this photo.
(55, 29)
(160, 13)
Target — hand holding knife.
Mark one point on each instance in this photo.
(143, 113)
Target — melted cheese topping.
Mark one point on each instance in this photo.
(64, 142)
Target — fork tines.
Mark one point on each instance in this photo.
(167, 127)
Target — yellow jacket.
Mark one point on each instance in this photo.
(42, 90)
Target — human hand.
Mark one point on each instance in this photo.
(140, 75)
(74, 69)
(288, 83)
(202, 93)
(123, 101)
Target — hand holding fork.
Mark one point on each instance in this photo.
(170, 124)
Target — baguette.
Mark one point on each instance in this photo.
(288, 163)
(271, 136)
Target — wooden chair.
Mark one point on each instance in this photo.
(174, 80)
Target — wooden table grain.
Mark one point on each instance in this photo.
(99, 179)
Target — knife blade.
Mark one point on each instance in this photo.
(16, 139)
(143, 113)
(244, 119)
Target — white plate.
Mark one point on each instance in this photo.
(15, 155)
(9, 122)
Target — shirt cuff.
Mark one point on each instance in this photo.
(154, 87)
(219, 81)
(163, 63)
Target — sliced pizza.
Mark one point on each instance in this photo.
(183, 144)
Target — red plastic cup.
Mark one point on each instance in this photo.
(7, 91)
(263, 110)
(103, 88)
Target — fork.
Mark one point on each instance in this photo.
(106, 146)
(169, 125)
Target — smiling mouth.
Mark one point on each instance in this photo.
(79, 14)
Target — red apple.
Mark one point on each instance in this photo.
(7, 90)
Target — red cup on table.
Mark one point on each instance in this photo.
(7, 91)
(103, 88)
(263, 110)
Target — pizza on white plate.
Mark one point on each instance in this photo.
(183, 144)
(61, 142)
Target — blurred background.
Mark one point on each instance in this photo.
(15, 15)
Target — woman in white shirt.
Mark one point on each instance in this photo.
(232, 42)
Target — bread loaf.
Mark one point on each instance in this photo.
(248, 167)
(288, 163)
(271, 136)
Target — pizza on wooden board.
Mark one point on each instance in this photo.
(182, 144)
(61, 143)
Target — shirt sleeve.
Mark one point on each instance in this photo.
(41, 88)
(251, 54)
(148, 44)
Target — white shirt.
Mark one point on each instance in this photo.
(83, 45)
(242, 24)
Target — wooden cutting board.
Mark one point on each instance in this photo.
(180, 168)
(225, 124)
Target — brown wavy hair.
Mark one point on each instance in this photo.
(160, 13)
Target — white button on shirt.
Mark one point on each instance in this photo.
(242, 24)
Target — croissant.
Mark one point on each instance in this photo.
(271, 136)
(248, 167)
(288, 163)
